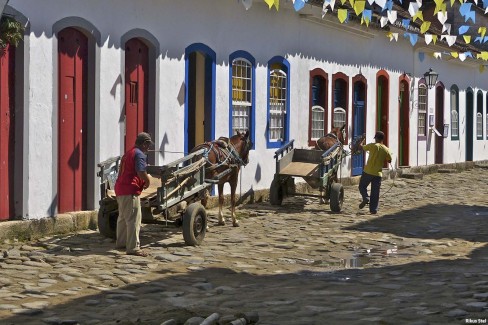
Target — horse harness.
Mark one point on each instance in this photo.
(330, 135)
(224, 151)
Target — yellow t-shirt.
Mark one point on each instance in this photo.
(378, 154)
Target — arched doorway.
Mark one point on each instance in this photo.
(404, 122)
(136, 90)
(439, 124)
(7, 107)
(200, 95)
(72, 119)
(382, 107)
(358, 119)
(469, 124)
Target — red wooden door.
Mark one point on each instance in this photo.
(136, 76)
(6, 131)
(72, 51)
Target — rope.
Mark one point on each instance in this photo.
(194, 166)
(392, 184)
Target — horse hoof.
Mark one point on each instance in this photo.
(235, 224)
(221, 223)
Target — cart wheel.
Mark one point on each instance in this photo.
(336, 197)
(275, 193)
(107, 220)
(194, 224)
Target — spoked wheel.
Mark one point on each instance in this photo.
(336, 197)
(107, 219)
(276, 192)
(194, 224)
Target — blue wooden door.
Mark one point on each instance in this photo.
(358, 128)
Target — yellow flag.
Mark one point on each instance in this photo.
(418, 15)
(467, 38)
(455, 54)
(434, 38)
(482, 68)
(352, 3)
(452, 2)
(343, 1)
(270, 3)
(277, 4)
(359, 7)
(342, 15)
(482, 31)
(442, 8)
(484, 56)
(425, 27)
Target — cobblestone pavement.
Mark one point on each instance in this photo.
(422, 260)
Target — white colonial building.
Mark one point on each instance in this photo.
(91, 74)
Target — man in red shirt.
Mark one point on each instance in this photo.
(132, 179)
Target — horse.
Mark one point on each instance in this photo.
(324, 143)
(221, 155)
(327, 141)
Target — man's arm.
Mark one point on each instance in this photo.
(144, 176)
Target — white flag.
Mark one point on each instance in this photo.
(247, 4)
(383, 21)
(428, 38)
(392, 16)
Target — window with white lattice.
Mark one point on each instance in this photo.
(241, 94)
(339, 117)
(318, 122)
(454, 113)
(454, 124)
(422, 110)
(277, 104)
(479, 125)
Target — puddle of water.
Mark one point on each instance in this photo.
(347, 263)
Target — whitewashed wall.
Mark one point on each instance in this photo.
(225, 26)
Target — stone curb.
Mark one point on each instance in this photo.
(83, 220)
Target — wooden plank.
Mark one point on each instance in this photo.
(299, 169)
(148, 192)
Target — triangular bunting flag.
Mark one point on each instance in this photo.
(342, 15)
(247, 4)
(428, 38)
(425, 27)
(359, 7)
(367, 14)
(467, 39)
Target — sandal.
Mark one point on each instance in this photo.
(139, 253)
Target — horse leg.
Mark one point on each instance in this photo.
(233, 186)
(221, 203)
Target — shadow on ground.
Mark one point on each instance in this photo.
(435, 292)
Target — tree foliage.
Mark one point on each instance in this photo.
(11, 31)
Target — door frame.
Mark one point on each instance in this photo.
(210, 67)
(469, 125)
(439, 123)
(359, 78)
(93, 104)
(385, 100)
(404, 111)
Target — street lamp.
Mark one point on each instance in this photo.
(431, 78)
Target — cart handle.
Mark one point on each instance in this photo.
(286, 147)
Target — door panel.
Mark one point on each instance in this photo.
(439, 125)
(136, 90)
(404, 125)
(72, 56)
(358, 127)
(7, 96)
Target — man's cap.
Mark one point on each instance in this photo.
(144, 137)
(379, 135)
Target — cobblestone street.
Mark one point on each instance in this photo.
(422, 260)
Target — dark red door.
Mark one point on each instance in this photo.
(136, 76)
(439, 125)
(72, 50)
(6, 131)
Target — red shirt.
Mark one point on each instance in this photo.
(128, 182)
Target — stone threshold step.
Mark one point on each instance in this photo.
(413, 175)
(447, 170)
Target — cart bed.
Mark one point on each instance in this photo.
(300, 169)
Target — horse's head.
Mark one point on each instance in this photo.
(339, 133)
(242, 144)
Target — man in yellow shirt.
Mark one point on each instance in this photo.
(378, 154)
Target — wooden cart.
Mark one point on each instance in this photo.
(173, 197)
(316, 167)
